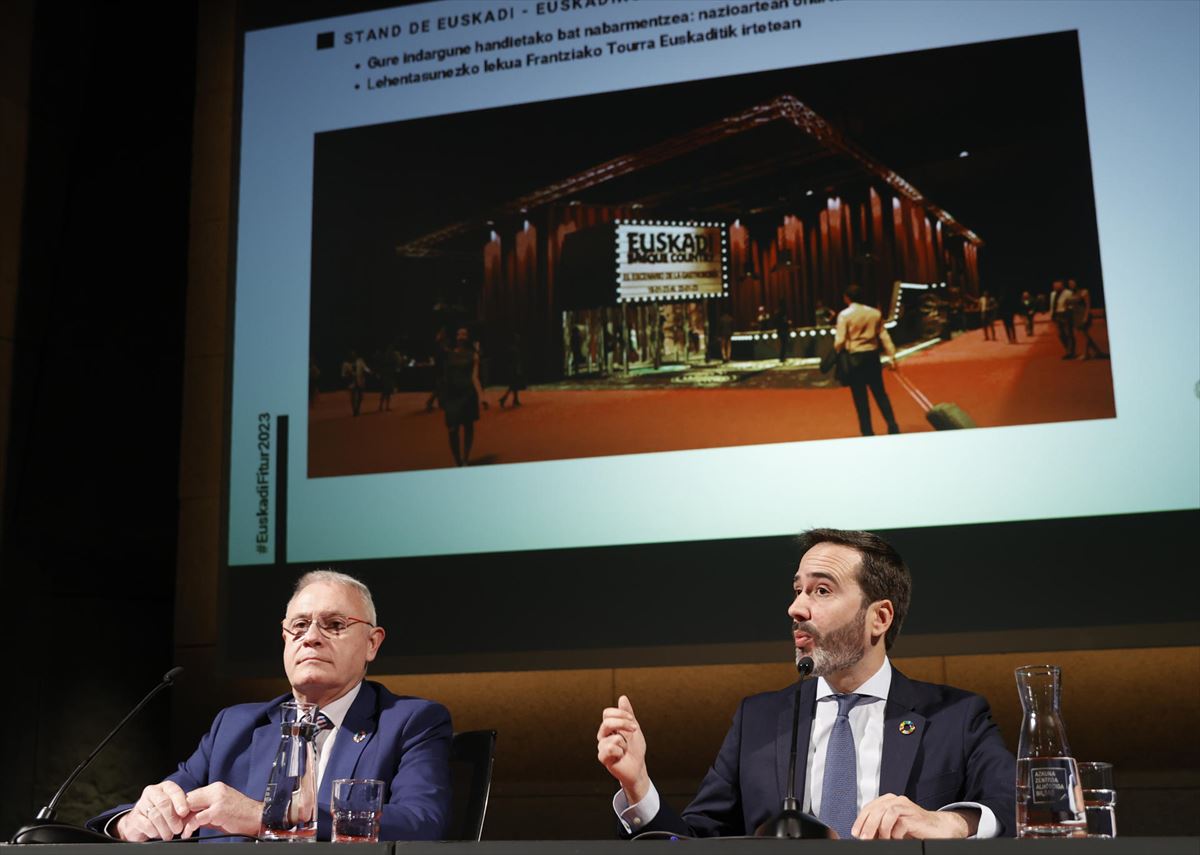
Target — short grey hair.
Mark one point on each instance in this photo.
(333, 577)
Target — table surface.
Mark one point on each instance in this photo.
(727, 846)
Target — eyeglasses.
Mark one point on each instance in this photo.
(330, 626)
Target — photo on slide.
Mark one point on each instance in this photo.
(663, 268)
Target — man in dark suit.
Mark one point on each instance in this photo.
(879, 755)
(329, 637)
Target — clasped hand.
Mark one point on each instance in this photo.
(165, 810)
(892, 817)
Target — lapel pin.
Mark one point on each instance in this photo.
(906, 727)
(362, 734)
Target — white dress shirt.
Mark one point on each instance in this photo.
(866, 723)
(336, 713)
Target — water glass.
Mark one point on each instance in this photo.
(1099, 798)
(356, 805)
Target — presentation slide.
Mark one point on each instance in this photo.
(555, 275)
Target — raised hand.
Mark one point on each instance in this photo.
(621, 748)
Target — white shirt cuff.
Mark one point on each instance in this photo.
(110, 827)
(988, 827)
(636, 816)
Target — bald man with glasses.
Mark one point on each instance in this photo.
(329, 638)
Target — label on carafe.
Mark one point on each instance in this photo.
(1050, 785)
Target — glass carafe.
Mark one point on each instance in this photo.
(290, 801)
(1049, 796)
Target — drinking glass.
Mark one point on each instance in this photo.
(356, 804)
(1099, 798)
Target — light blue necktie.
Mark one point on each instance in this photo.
(839, 790)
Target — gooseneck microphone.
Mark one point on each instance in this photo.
(804, 667)
(790, 823)
(45, 829)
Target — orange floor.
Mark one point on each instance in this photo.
(995, 382)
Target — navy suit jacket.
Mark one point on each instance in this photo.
(955, 753)
(405, 743)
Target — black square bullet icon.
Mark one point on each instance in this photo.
(324, 40)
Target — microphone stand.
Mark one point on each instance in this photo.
(44, 829)
(790, 823)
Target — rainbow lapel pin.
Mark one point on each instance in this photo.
(907, 727)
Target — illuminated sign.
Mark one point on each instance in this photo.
(658, 261)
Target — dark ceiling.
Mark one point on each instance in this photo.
(1015, 106)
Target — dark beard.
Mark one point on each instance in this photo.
(837, 650)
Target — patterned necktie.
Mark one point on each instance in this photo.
(839, 790)
(324, 728)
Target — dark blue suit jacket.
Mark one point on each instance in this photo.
(405, 743)
(955, 753)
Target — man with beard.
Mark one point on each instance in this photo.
(882, 756)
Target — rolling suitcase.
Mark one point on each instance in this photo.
(947, 416)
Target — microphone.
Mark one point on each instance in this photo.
(790, 823)
(804, 667)
(45, 829)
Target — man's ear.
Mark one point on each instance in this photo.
(374, 641)
(882, 613)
